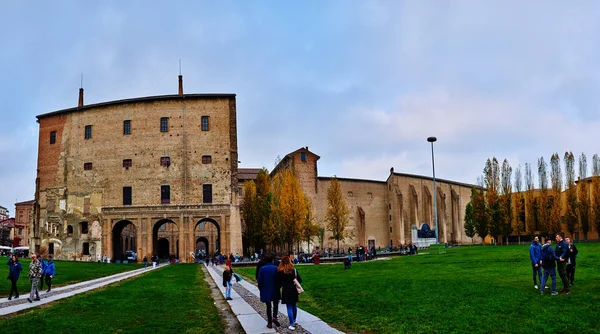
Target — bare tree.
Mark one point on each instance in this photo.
(506, 199)
(542, 200)
(531, 214)
(519, 201)
(555, 202)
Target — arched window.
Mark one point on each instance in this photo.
(70, 230)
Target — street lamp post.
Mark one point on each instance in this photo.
(437, 240)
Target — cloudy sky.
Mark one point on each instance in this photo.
(361, 83)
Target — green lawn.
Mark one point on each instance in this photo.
(67, 272)
(469, 289)
(173, 299)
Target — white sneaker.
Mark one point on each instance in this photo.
(535, 286)
(291, 328)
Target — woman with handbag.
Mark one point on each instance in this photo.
(289, 280)
(13, 275)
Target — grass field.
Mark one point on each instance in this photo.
(67, 272)
(174, 299)
(469, 289)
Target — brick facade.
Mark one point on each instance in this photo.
(82, 176)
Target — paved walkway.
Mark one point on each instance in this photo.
(251, 314)
(16, 305)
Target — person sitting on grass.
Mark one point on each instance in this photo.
(549, 266)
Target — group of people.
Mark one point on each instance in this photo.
(39, 270)
(545, 260)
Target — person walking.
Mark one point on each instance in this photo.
(154, 261)
(289, 295)
(549, 265)
(571, 260)
(14, 272)
(269, 290)
(561, 253)
(535, 255)
(99, 258)
(49, 271)
(227, 276)
(145, 261)
(43, 265)
(35, 272)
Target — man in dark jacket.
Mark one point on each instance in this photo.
(571, 260)
(269, 290)
(535, 255)
(549, 265)
(561, 253)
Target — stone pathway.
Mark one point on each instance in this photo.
(16, 305)
(252, 315)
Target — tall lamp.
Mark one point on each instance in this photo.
(437, 240)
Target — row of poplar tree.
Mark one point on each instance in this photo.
(496, 211)
(277, 214)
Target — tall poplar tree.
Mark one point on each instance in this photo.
(571, 202)
(555, 204)
(337, 212)
(309, 228)
(583, 203)
(491, 177)
(542, 209)
(506, 199)
(519, 226)
(470, 220)
(480, 214)
(531, 214)
(596, 188)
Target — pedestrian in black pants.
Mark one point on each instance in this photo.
(43, 265)
(13, 275)
(269, 290)
(561, 253)
(571, 260)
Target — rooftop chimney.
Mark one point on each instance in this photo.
(80, 104)
(180, 85)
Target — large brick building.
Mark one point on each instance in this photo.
(113, 176)
(384, 213)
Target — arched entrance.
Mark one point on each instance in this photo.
(208, 232)
(165, 239)
(201, 247)
(124, 236)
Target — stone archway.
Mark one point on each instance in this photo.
(209, 230)
(167, 230)
(124, 234)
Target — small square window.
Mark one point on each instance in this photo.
(127, 163)
(127, 127)
(164, 124)
(165, 161)
(205, 125)
(87, 166)
(88, 132)
(206, 159)
(52, 137)
(350, 194)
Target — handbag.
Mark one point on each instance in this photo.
(297, 284)
(237, 277)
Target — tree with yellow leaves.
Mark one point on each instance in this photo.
(337, 212)
(309, 228)
(555, 203)
(292, 207)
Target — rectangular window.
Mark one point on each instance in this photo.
(303, 156)
(20, 231)
(51, 248)
(206, 159)
(87, 166)
(127, 163)
(165, 194)
(207, 193)
(126, 195)
(52, 137)
(164, 124)
(205, 123)
(88, 131)
(390, 229)
(127, 127)
(165, 161)
(86, 248)
(84, 227)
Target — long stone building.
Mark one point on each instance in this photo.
(384, 213)
(153, 174)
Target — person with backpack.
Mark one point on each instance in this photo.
(49, 272)
(14, 272)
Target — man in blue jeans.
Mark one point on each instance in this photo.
(535, 255)
(549, 265)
